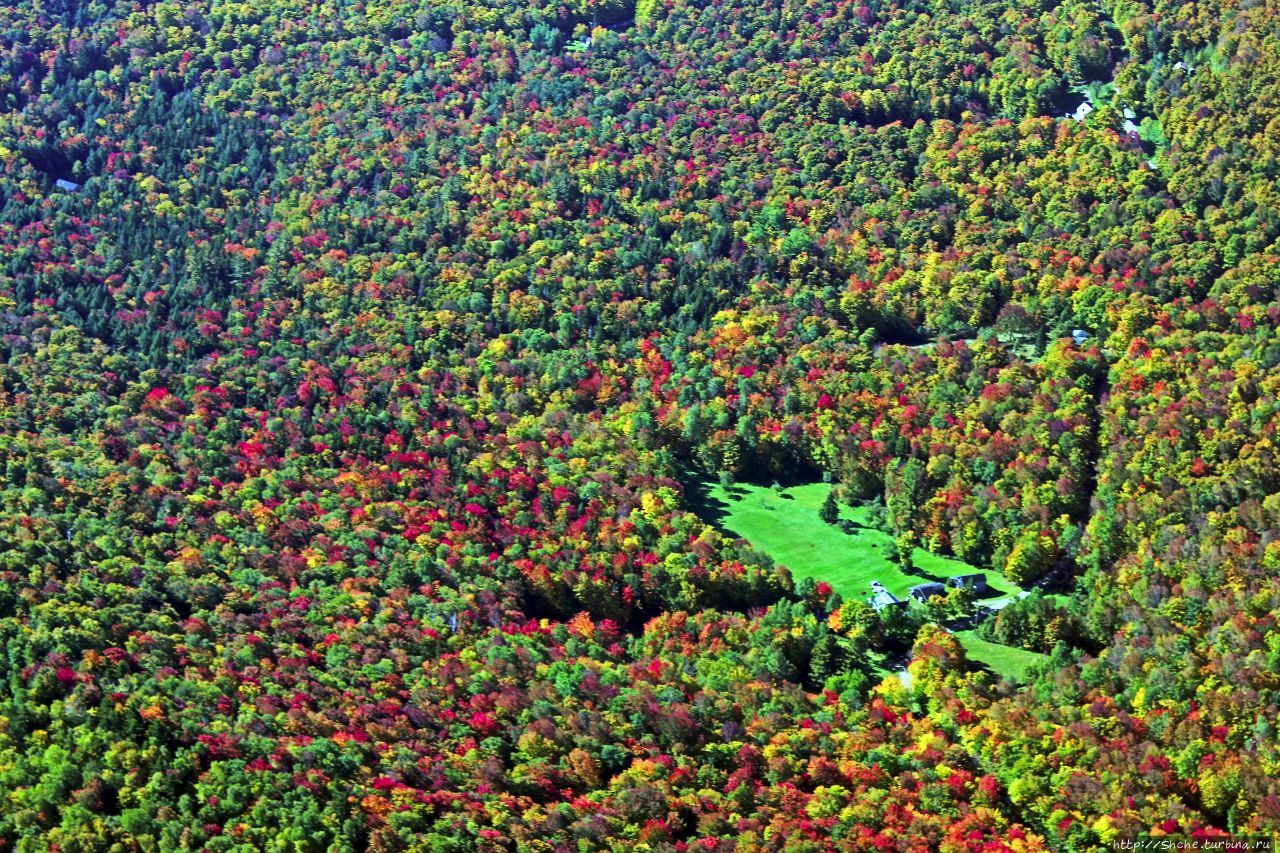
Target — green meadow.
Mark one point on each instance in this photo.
(786, 525)
(1006, 661)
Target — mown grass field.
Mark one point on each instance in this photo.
(787, 526)
(1003, 660)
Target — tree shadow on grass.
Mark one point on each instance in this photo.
(916, 572)
(712, 510)
(979, 666)
(855, 528)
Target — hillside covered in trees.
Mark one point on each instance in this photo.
(358, 360)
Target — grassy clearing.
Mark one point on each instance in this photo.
(786, 526)
(1005, 661)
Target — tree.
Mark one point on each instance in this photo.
(830, 512)
(827, 659)
(903, 489)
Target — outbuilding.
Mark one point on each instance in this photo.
(976, 583)
(882, 599)
(926, 591)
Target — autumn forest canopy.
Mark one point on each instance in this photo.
(448, 425)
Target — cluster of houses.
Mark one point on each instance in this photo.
(881, 598)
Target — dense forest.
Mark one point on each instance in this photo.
(357, 358)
